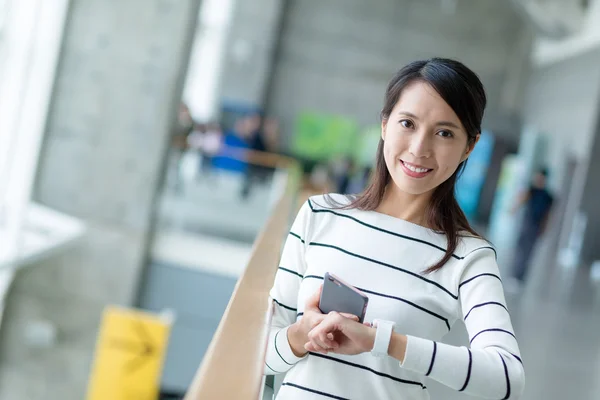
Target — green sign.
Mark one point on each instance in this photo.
(366, 150)
(322, 137)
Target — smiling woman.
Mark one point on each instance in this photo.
(425, 145)
(406, 244)
(431, 121)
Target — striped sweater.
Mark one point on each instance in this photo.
(385, 257)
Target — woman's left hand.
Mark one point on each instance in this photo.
(350, 336)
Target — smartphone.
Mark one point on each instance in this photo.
(339, 296)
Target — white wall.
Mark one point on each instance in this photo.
(338, 56)
(562, 102)
(548, 51)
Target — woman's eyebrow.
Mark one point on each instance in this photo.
(448, 123)
(440, 123)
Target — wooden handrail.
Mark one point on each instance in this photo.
(255, 157)
(259, 158)
(234, 362)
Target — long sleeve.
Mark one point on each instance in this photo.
(284, 295)
(491, 367)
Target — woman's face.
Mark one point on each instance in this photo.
(424, 140)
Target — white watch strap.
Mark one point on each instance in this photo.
(383, 337)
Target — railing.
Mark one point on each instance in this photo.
(222, 201)
(234, 362)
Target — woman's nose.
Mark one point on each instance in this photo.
(420, 145)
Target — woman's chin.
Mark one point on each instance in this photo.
(411, 187)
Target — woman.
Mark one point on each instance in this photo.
(406, 244)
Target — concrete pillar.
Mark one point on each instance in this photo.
(253, 37)
(590, 250)
(118, 86)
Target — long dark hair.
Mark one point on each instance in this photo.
(463, 91)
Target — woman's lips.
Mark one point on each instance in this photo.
(414, 171)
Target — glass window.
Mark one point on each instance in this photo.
(30, 37)
(201, 88)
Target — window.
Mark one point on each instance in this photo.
(30, 38)
(202, 82)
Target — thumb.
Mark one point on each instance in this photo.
(313, 300)
(350, 316)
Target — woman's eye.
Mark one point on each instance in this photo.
(406, 123)
(446, 134)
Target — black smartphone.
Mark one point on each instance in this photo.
(339, 296)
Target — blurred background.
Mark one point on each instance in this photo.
(137, 140)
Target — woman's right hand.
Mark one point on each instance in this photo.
(298, 331)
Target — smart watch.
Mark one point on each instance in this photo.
(383, 336)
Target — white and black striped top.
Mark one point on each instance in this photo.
(384, 257)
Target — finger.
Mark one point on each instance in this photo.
(317, 336)
(324, 332)
(310, 347)
(350, 316)
(323, 348)
(317, 348)
(317, 319)
(313, 301)
(318, 342)
(314, 319)
(332, 323)
(330, 343)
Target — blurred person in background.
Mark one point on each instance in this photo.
(185, 122)
(211, 145)
(345, 174)
(194, 139)
(272, 135)
(407, 245)
(180, 142)
(261, 135)
(537, 203)
(207, 140)
(360, 180)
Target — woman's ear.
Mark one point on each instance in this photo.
(470, 148)
(383, 128)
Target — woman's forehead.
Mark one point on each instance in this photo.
(421, 98)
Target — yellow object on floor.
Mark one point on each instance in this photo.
(130, 353)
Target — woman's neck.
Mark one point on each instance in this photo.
(409, 207)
